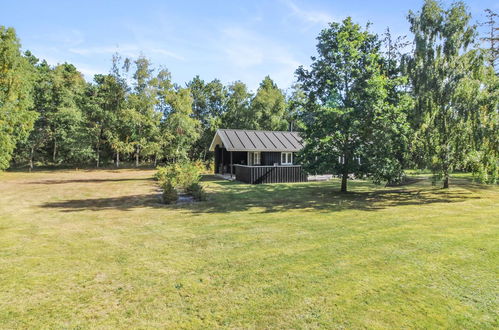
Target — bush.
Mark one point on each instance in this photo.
(205, 167)
(179, 175)
(170, 195)
(197, 191)
(210, 167)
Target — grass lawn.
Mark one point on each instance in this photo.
(95, 249)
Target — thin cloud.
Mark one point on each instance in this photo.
(126, 50)
(65, 38)
(253, 56)
(311, 16)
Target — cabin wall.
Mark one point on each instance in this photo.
(270, 158)
(270, 174)
(223, 159)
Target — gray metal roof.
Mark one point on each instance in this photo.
(250, 140)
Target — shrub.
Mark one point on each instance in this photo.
(197, 191)
(160, 175)
(200, 165)
(179, 175)
(170, 195)
(210, 167)
(205, 167)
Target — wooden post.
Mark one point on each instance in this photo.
(231, 165)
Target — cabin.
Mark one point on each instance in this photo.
(258, 156)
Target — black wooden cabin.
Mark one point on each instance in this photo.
(258, 156)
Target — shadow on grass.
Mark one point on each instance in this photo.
(227, 197)
(123, 203)
(322, 196)
(86, 181)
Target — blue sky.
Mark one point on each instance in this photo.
(229, 40)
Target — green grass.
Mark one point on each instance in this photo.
(94, 249)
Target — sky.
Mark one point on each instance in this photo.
(229, 40)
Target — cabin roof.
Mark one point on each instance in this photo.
(251, 140)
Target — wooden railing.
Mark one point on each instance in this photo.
(270, 174)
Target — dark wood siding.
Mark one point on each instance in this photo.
(270, 158)
(270, 174)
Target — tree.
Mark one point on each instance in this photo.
(439, 66)
(480, 92)
(268, 107)
(16, 82)
(209, 105)
(65, 119)
(296, 108)
(180, 130)
(352, 125)
(114, 93)
(492, 38)
(142, 115)
(41, 93)
(237, 115)
(387, 129)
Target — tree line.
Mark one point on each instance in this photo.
(134, 113)
(368, 105)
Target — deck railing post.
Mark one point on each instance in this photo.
(231, 165)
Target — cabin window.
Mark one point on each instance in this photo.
(286, 158)
(254, 158)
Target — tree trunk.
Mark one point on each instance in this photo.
(155, 160)
(55, 151)
(446, 155)
(98, 154)
(344, 178)
(446, 181)
(117, 159)
(137, 151)
(31, 153)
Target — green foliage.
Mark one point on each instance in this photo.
(209, 105)
(153, 119)
(16, 82)
(268, 108)
(354, 116)
(238, 104)
(179, 175)
(142, 119)
(204, 167)
(296, 107)
(440, 70)
(482, 93)
(485, 167)
(170, 195)
(180, 130)
(197, 191)
(265, 110)
(61, 132)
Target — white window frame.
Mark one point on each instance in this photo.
(287, 157)
(254, 158)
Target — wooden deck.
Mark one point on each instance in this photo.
(270, 174)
